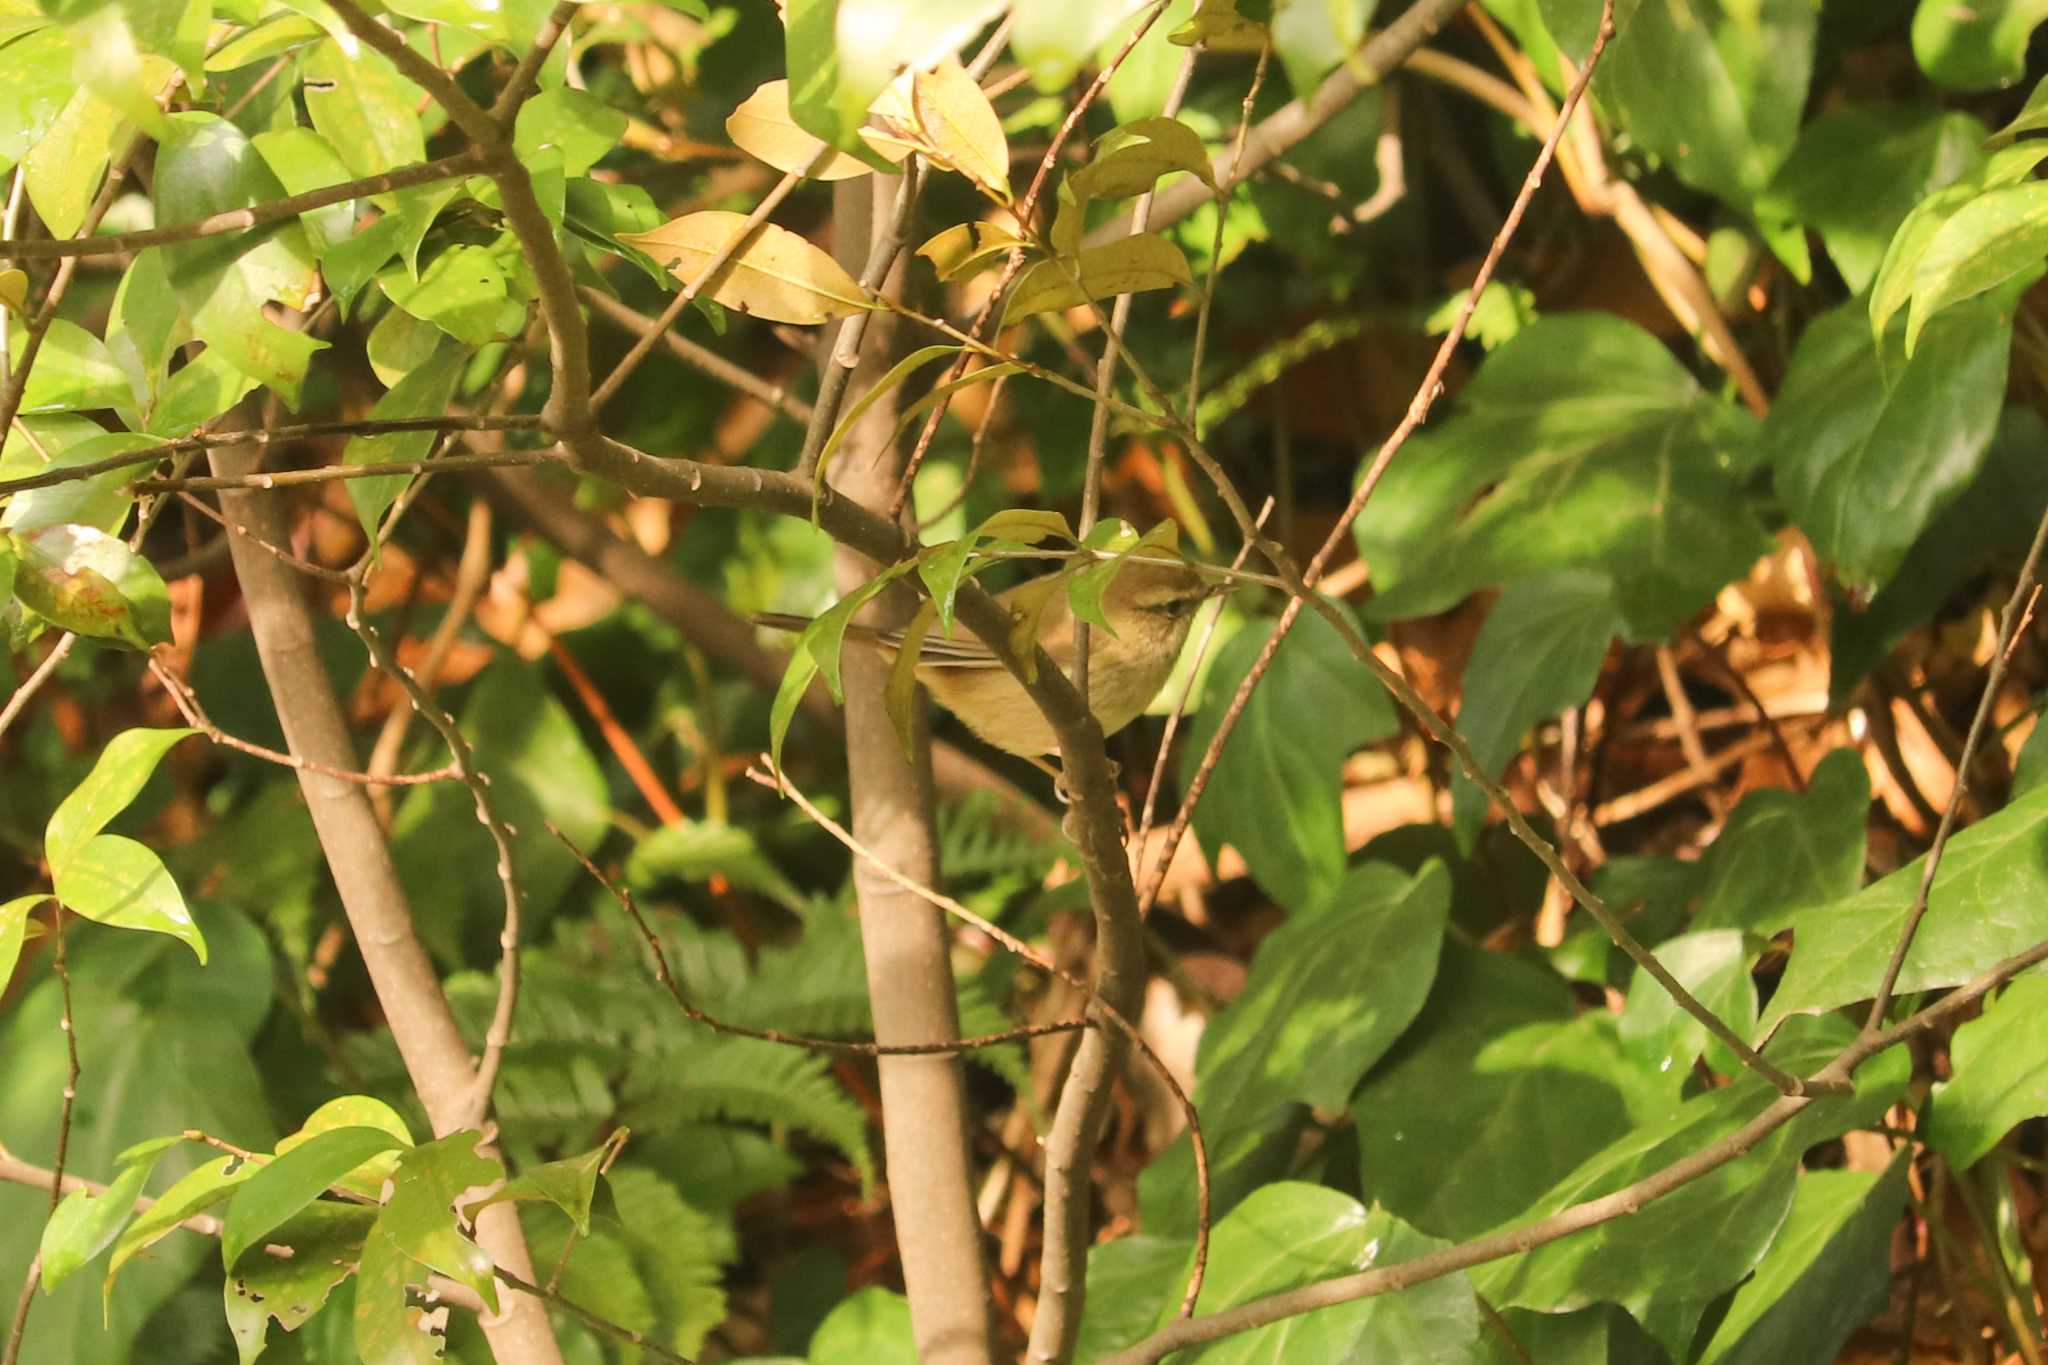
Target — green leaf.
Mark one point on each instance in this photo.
(426, 392)
(196, 394)
(87, 581)
(85, 1224)
(1313, 37)
(1129, 265)
(74, 372)
(418, 1220)
(1287, 1235)
(1128, 1281)
(1537, 1092)
(101, 502)
(1579, 444)
(2001, 1075)
(2032, 117)
(841, 53)
(1744, 72)
(164, 1045)
(116, 881)
(941, 566)
(1864, 465)
(1858, 170)
(1827, 1273)
(1989, 901)
(1538, 654)
(363, 107)
(1996, 237)
(1782, 851)
(570, 1184)
(880, 389)
(465, 292)
(700, 850)
(294, 1179)
(209, 166)
(1980, 46)
(1677, 1254)
(265, 41)
(1713, 964)
(789, 694)
(1994, 516)
(1054, 39)
(869, 1327)
(483, 18)
(1276, 793)
(1308, 1024)
(580, 124)
(355, 1111)
(117, 778)
(304, 161)
(13, 931)
(326, 1241)
(198, 1190)
(64, 170)
(35, 85)
(1898, 271)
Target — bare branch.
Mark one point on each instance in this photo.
(241, 220)
(699, 357)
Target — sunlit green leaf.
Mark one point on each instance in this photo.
(87, 581)
(2001, 1075)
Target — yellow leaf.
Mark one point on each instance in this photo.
(967, 247)
(14, 290)
(1129, 265)
(1218, 26)
(961, 128)
(1130, 159)
(778, 275)
(762, 127)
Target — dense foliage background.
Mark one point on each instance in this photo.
(1719, 549)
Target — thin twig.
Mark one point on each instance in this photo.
(187, 702)
(330, 473)
(1013, 265)
(2008, 632)
(763, 774)
(68, 1024)
(520, 84)
(665, 975)
(699, 357)
(241, 220)
(835, 370)
(1829, 1080)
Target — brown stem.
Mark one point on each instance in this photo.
(905, 943)
(18, 1329)
(374, 901)
(241, 220)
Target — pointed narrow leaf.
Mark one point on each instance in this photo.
(289, 1182)
(900, 694)
(570, 1184)
(198, 1190)
(880, 389)
(13, 931)
(778, 275)
(796, 680)
(117, 778)
(86, 1224)
(1994, 238)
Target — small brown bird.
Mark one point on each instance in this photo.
(1150, 604)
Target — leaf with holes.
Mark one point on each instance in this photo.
(777, 275)
(967, 248)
